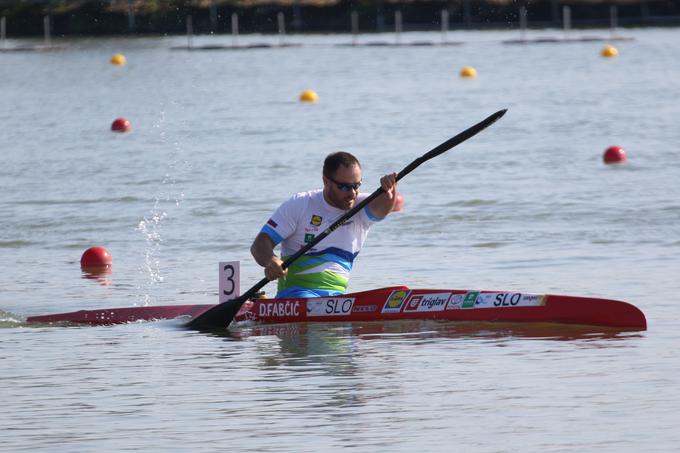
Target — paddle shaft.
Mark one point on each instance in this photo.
(221, 315)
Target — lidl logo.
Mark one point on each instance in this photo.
(316, 220)
(395, 301)
(309, 237)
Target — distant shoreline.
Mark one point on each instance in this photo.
(326, 16)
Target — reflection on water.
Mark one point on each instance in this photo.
(101, 275)
(330, 338)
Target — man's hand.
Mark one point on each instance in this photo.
(273, 270)
(263, 252)
(385, 203)
(389, 185)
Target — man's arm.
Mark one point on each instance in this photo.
(263, 252)
(384, 204)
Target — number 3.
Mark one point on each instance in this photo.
(229, 272)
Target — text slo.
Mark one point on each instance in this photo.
(332, 306)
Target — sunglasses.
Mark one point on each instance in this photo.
(346, 187)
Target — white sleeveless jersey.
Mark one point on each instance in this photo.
(328, 264)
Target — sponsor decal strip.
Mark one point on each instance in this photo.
(395, 301)
(279, 309)
(477, 299)
(330, 306)
(427, 302)
(364, 308)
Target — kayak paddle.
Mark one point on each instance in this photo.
(221, 315)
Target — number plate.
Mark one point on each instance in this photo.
(230, 280)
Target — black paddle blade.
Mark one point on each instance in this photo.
(217, 317)
(220, 316)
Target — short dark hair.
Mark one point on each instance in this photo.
(334, 160)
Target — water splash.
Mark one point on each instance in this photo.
(8, 319)
(151, 226)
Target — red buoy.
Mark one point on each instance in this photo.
(121, 125)
(96, 258)
(614, 155)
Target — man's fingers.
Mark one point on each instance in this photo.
(273, 272)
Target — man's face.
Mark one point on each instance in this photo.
(340, 190)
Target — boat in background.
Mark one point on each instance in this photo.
(392, 303)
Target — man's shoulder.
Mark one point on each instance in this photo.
(301, 200)
(304, 198)
(310, 194)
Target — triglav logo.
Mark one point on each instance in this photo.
(428, 302)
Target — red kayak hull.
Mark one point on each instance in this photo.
(107, 316)
(394, 303)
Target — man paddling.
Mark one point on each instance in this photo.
(324, 270)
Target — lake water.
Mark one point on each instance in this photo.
(219, 140)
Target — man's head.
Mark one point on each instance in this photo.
(341, 179)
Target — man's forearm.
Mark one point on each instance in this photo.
(262, 249)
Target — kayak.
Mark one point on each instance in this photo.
(392, 303)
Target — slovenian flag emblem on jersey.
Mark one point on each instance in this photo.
(271, 223)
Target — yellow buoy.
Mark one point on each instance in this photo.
(118, 59)
(468, 71)
(609, 52)
(309, 96)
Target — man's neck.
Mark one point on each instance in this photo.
(328, 201)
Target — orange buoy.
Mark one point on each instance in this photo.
(309, 96)
(96, 257)
(614, 155)
(609, 52)
(118, 60)
(468, 72)
(121, 125)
